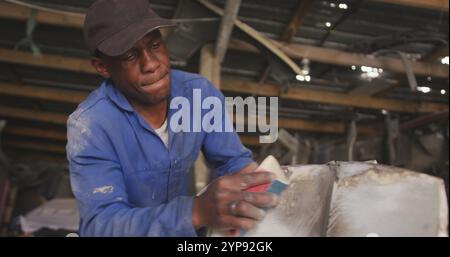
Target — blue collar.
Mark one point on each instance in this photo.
(114, 94)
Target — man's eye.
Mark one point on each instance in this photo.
(130, 56)
(155, 45)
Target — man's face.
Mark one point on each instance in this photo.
(142, 73)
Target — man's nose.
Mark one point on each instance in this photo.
(149, 62)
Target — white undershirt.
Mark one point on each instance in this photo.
(163, 133)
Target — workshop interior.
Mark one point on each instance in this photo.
(363, 101)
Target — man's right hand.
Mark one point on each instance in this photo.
(225, 205)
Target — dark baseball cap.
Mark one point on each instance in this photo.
(114, 26)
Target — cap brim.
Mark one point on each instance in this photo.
(124, 40)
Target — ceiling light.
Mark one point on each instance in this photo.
(343, 6)
(366, 69)
(300, 77)
(424, 90)
(303, 78)
(328, 24)
(443, 92)
(444, 60)
(370, 73)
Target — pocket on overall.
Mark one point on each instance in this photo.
(148, 187)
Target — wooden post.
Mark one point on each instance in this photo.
(210, 69)
(226, 28)
(209, 65)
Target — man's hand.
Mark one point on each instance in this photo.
(225, 205)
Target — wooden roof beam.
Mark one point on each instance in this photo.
(243, 87)
(326, 97)
(54, 148)
(437, 5)
(58, 135)
(33, 115)
(18, 12)
(341, 58)
(57, 95)
(296, 21)
(296, 124)
(296, 51)
(61, 135)
(436, 54)
(57, 62)
(35, 133)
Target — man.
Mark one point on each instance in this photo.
(129, 170)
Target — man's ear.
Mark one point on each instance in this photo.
(100, 67)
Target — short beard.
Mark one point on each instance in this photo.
(154, 100)
(145, 100)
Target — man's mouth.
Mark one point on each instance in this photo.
(149, 84)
